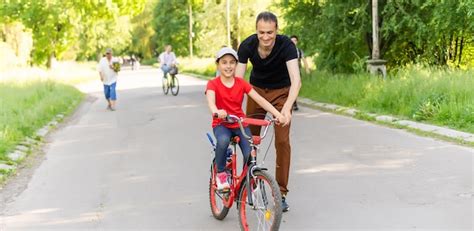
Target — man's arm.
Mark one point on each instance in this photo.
(101, 76)
(240, 69)
(294, 71)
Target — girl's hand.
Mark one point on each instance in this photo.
(221, 114)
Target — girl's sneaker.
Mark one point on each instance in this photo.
(222, 183)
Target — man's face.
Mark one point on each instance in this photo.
(295, 41)
(266, 33)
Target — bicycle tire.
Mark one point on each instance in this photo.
(263, 212)
(165, 85)
(174, 85)
(214, 198)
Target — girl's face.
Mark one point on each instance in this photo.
(226, 66)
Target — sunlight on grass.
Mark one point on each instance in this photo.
(63, 72)
(31, 97)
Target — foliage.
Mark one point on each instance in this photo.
(142, 43)
(429, 32)
(171, 25)
(57, 25)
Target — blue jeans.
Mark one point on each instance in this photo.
(166, 69)
(223, 136)
(109, 91)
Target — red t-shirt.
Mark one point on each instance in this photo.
(229, 99)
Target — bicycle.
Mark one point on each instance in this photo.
(172, 84)
(255, 191)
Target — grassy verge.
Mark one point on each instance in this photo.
(31, 97)
(441, 97)
(26, 107)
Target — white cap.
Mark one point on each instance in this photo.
(226, 51)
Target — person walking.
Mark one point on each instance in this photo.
(108, 75)
(275, 75)
(301, 62)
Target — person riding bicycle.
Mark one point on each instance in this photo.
(225, 95)
(167, 60)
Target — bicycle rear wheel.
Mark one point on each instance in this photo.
(165, 85)
(174, 85)
(217, 199)
(266, 213)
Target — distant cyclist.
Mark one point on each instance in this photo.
(167, 60)
(225, 95)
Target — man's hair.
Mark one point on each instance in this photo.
(267, 16)
(294, 36)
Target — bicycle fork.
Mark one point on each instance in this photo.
(253, 168)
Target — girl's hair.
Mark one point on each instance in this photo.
(267, 16)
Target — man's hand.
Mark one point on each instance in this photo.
(281, 119)
(286, 112)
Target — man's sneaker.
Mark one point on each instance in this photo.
(222, 183)
(284, 206)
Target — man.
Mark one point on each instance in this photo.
(167, 60)
(301, 62)
(108, 76)
(275, 76)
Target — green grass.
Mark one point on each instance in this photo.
(26, 106)
(441, 97)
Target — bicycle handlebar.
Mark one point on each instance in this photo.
(234, 118)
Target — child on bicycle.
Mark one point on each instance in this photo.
(225, 95)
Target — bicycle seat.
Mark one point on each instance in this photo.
(235, 140)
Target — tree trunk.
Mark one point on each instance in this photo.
(461, 46)
(455, 49)
(190, 8)
(49, 62)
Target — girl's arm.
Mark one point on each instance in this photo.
(267, 106)
(211, 102)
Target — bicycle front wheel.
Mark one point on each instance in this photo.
(165, 85)
(265, 213)
(174, 85)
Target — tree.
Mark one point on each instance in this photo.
(171, 25)
(59, 25)
(430, 32)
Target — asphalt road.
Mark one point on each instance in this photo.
(146, 167)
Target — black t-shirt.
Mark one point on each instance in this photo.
(270, 72)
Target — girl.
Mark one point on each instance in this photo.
(225, 95)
